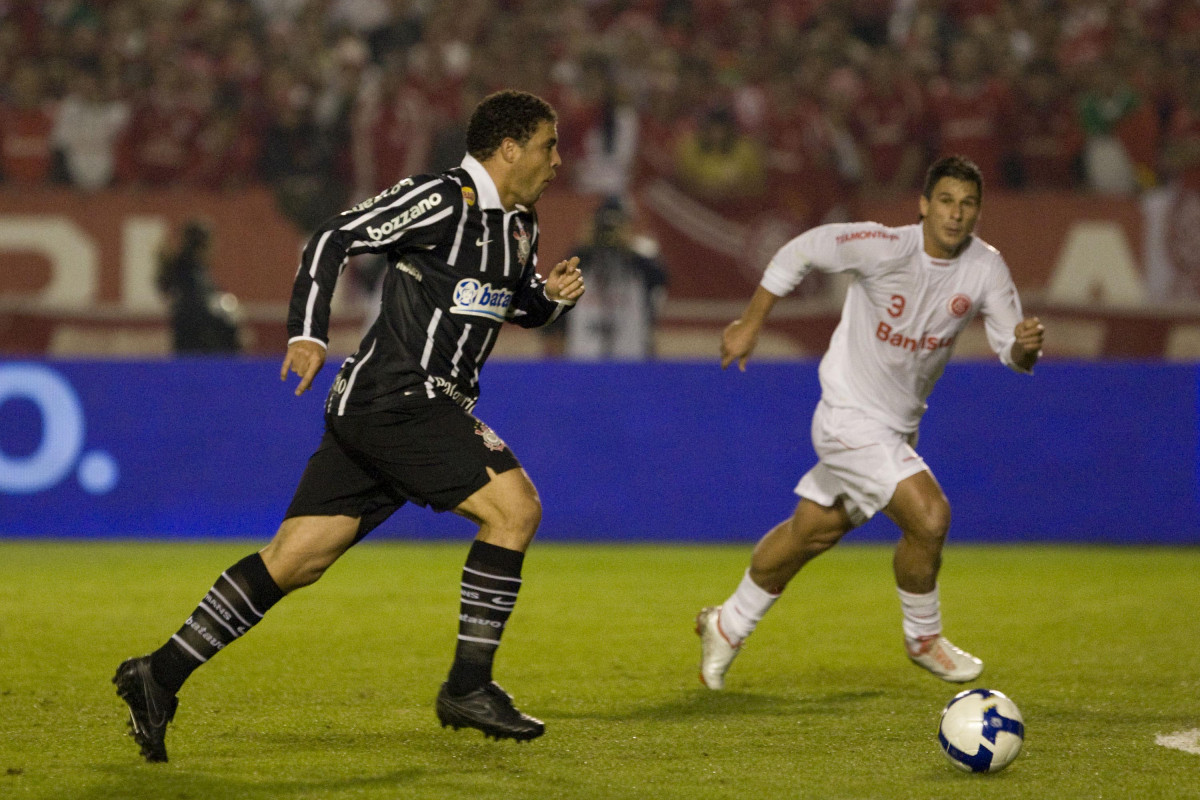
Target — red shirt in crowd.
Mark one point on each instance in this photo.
(400, 135)
(1047, 145)
(1184, 128)
(971, 121)
(158, 145)
(886, 125)
(25, 145)
(802, 164)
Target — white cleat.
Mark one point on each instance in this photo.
(716, 653)
(936, 654)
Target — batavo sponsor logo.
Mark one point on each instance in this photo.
(404, 217)
(481, 300)
(884, 334)
(867, 234)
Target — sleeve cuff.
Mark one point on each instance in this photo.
(294, 339)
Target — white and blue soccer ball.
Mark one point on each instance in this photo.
(981, 730)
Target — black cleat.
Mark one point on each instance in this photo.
(151, 707)
(490, 709)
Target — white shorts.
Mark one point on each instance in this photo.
(861, 461)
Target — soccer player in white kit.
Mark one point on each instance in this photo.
(916, 287)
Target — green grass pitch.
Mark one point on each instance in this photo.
(332, 695)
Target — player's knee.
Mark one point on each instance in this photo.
(306, 575)
(810, 541)
(292, 571)
(932, 525)
(524, 513)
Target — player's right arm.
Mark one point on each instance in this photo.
(304, 358)
(741, 336)
(828, 248)
(410, 214)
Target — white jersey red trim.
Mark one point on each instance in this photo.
(903, 313)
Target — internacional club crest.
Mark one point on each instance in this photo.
(959, 305)
(490, 440)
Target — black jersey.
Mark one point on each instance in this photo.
(459, 266)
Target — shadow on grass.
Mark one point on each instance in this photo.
(705, 704)
(140, 780)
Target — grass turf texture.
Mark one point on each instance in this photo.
(332, 695)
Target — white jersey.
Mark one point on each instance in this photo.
(902, 314)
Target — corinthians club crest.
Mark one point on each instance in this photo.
(524, 247)
(490, 440)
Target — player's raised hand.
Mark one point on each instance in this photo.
(304, 358)
(738, 342)
(565, 282)
(1030, 333)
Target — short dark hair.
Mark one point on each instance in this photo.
(957, 167)
(504, 115)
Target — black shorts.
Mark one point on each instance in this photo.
(429, 452)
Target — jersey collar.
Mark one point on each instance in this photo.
(489, 195)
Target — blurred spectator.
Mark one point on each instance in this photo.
(970, 111)
(450, 132)
(841, 94)
(395, 132)
(203, 319)
(157, 147)
(610, 137)
(1048, 142)
(26, 125)
(1181, 153)
(297, 162)
(344, 79)
(226, 150)
(1122, 133)
(87, 131)
(1173, 210)
(715, 161)
(802, 154)
(626, 286)
(657, 134)
(886, 122)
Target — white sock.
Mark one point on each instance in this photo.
(744, 608)
(922, 613)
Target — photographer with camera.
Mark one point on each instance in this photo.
(626, 287)
(203, 319)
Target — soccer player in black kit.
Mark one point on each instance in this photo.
(462, 256)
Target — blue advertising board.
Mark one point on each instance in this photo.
(213, 447)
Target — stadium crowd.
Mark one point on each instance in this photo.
(741, 101)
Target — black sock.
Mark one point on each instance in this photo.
(232, 606)
(491, 579)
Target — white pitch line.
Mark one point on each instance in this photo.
(1187, 741)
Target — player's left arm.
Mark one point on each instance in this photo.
(1016, 338)
(539, 301)
(564, 284)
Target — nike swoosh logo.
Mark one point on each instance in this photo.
(482, 242)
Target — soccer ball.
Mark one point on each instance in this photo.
(981, 731)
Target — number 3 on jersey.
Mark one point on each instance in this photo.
(897, 305)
